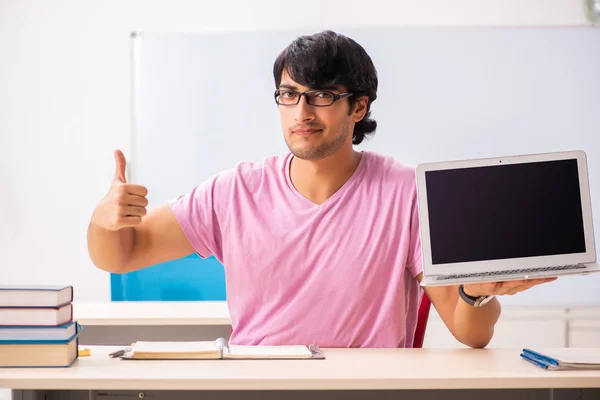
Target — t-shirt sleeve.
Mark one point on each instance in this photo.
(415, 260)
(196, 213)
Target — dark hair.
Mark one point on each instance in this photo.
(328, 59)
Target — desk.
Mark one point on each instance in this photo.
(119, 322)
(419, 373)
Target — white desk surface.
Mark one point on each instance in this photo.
(151, 313)
(344, 369)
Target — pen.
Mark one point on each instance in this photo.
(117, 353)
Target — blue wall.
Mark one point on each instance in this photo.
(188, 278)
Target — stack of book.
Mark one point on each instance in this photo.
(37, 327)
(564, 359)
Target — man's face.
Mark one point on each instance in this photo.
(313, 133)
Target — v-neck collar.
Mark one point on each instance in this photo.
(349, 183)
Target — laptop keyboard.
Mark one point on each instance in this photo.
(512, 272)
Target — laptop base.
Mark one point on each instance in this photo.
(434, 281)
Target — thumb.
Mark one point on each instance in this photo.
(120, 167)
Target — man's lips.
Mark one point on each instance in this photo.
(305, 132)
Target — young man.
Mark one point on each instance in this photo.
(320, 245)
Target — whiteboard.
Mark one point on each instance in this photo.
(443, 94)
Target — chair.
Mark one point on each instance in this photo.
(422, 317)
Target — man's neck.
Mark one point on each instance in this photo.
(319, 180)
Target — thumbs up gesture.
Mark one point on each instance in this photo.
(124, 205)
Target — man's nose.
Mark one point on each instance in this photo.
(304, 111)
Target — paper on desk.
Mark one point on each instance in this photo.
(268, 352)
(174, 347)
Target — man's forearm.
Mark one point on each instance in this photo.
(474, 326)
(110, 250)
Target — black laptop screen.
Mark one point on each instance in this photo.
(505, 211)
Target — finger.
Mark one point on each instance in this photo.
(137, 190)
(515, 290)
(133, 200)
(509, 287)
(134, 211)
(125, 221)
(543, 280)
(120, 166)
(539, 282)
(514, 287)
(516, 282)
(529, 283)
(492, 286)
(503, 287)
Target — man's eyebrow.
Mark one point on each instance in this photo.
(330, 88)
(286, 86)
(293, 87)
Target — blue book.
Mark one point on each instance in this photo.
(38, 334)
(536, 361)
(36, 296)
(564, 359)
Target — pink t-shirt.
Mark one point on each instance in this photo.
(339, 274)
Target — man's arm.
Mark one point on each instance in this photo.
(474, 326)
(158, 238)
(122, 238)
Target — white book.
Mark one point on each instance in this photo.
(36, 316)
(35, 296)
(218, 349)
(176, 350)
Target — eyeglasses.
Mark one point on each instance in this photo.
(317, 98)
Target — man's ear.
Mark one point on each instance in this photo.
(359, 109)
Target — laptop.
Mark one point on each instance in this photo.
(505, 218)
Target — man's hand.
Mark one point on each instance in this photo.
(124, 205)
(502, 288)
